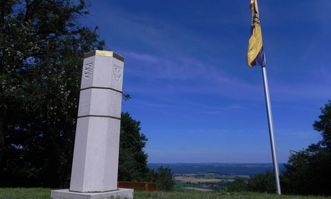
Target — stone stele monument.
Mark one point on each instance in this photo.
(95, 162)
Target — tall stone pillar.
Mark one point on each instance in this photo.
(95, 161)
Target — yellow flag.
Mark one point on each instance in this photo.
(255, 54)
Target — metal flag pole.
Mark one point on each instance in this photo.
(271, 128)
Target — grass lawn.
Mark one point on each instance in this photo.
(26, 193)
(215, 195)
(43, 193)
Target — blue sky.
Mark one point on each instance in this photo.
(196, 98)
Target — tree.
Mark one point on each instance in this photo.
(238, 185)
(132, 158)
(164, 179)
(323, 126)
(262, 183)
(308, 171)
(41, 51)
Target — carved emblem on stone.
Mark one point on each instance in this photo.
(88, 70)
(117, 72)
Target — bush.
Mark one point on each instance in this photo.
(164, 179)
(262, 183)
(239, 185)
(308, 171)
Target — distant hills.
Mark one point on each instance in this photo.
(219, 168)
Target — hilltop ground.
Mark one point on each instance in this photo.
(42, 193)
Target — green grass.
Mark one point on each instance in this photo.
(43, 193)
(215, 195)
(24, 193)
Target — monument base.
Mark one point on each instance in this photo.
(116, 194)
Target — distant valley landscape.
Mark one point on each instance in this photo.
(212, 176)
(246, 169)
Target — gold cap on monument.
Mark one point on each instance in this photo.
(104, 53)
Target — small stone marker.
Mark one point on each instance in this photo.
(95, 162)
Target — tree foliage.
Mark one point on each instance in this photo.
(41, 50)
(164, 179)
(238, 185)
(308, 171)
(262, 183)
(132, 158)
(323, 126)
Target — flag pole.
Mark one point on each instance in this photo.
(271, 128)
